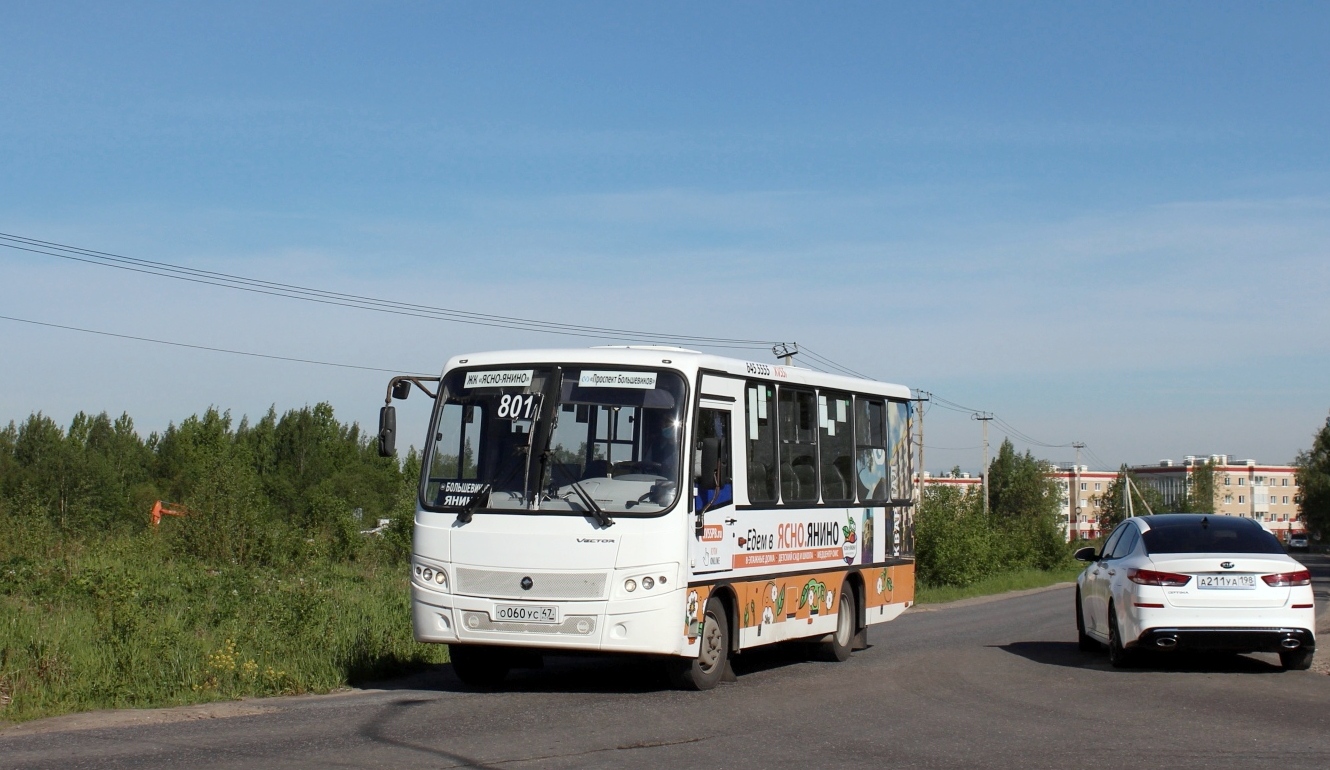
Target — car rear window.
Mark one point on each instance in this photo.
(1213, 534)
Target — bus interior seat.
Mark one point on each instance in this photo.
(834, 486)
(759, 483)
(597, 469)
(789, 484)
(807, 475)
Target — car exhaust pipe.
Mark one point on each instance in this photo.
(1166, 642)
(1290, 644)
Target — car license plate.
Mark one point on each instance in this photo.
(1226, 581)
(527, 613)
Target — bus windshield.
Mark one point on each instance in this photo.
(556, 439)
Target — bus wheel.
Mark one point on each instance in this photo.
(479, 666)
(713, 658)
(842, 642)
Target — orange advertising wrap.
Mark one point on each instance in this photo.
(806, 597)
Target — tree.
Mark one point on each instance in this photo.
(1026, 504)
(1201, 492)
(1314, 482)
(1020, 486)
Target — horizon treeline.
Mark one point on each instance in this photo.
(301, 474)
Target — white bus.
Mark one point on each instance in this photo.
(657, 501)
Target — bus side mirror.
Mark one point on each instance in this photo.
(388, 430)
(401, 389)
(708, 462)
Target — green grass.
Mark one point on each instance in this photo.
(998, 584)
(125, 622)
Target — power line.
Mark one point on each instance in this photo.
(827, 361)
(205, 347)
(361, 302)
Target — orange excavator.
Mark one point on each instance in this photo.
(160, 509)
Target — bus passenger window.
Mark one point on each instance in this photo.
(898, 446)
(798, 446)
(870, 431)
(760, 414)
(716, 488)
(833, 412)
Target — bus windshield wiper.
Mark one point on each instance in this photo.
(596, 512)
(469, 509)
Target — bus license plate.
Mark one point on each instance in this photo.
(527, 613)
(1225, 581)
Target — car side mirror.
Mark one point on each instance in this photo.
(387, 431)
(1086, 554)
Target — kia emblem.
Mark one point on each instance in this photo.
(1224, 564)
(527, 582)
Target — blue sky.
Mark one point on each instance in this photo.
(1105, 223)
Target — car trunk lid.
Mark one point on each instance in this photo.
(1225, 580)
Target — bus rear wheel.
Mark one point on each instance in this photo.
(838, 648)
(713, 656)
(479, 666)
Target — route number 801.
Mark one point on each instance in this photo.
(517, 406)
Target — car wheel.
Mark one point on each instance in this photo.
(842, 642)
(1297, 660)
(1118, 655)
(713, 656)
(1084, 642)
(479, 666)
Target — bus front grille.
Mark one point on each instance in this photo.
(503, 584)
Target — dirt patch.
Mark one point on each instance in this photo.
(94, 720)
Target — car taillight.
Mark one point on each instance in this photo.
(1299, 578)
(1149, 577)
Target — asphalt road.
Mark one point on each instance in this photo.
(994, 683)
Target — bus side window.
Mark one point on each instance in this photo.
(837, 446)
(899, 483)
(871, 445)
(714, 487)
(798, 445)
(760, 414)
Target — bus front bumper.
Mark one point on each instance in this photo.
(653, 625)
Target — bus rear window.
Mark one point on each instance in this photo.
(1211, 534)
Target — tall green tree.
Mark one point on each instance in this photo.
(1314, 482)
(1019, 485)
(1025, 503)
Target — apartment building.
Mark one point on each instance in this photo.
(1082, 490)
(964, 482)
(1267, 493)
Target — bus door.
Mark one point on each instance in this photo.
(713, 535)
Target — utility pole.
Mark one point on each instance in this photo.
(984, 418)
(922, 397)
(1126, 491)
(1074, 511)
(788, 351)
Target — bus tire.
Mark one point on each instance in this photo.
(479, 666)
(841, 644)
(713, 656)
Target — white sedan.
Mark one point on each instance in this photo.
(1194, 582)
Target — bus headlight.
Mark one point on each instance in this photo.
(630, 585)
(432, 576)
